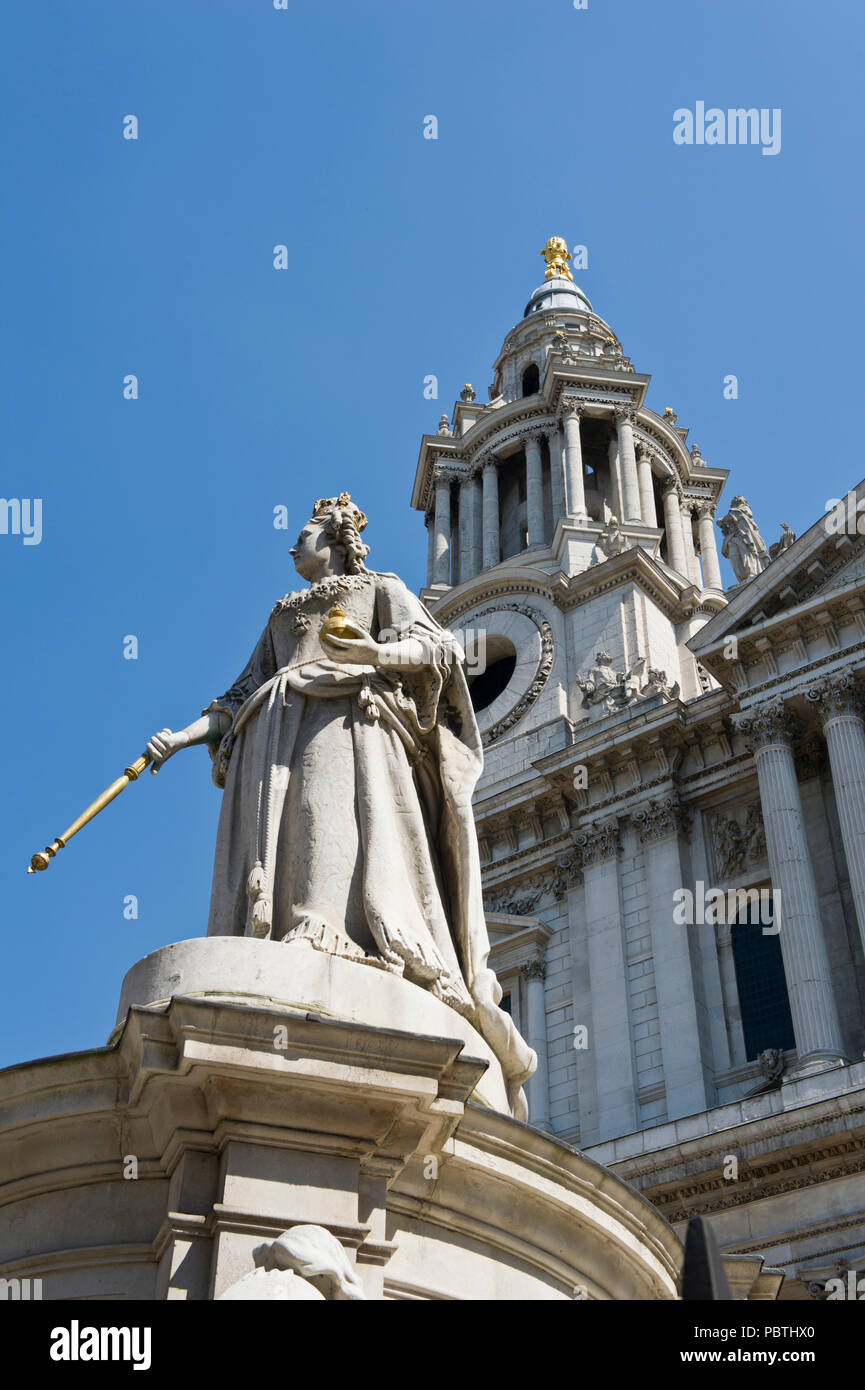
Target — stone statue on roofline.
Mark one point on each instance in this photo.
(743, 545)
(348, 752)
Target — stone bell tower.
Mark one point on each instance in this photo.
(567, 519)
(572, 544)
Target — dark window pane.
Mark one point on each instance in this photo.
(766, 1018)
(486, 687)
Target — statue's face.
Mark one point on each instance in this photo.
(312, 552)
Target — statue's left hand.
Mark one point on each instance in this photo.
(354, 651)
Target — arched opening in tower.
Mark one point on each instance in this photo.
(531, 380)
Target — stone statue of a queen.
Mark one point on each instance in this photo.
(348, 750)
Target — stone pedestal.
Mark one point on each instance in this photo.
(232, 1103)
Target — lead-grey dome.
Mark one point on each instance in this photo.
(558, 293)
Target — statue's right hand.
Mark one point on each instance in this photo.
(164, 745)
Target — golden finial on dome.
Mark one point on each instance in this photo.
(557, 255)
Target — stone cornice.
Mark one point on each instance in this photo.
(676, 598)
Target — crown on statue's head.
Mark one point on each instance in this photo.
(326, 505)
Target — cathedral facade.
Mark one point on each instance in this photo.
(672, 811)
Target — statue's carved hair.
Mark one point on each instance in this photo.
(344, 522)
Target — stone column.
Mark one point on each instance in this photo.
(534, 490)
(647, 491)
(610, 1041)
(628, 460)
(442, 527)
(429, 523)
(557, 474)
(538, 1086)
(708, 547)
(662, 824)
(693, 563)
(469, 554)
(676, 557)
(797, 908)
(477, 545)
(841, 713)
(616, 477)
(491, 541)
(575, 489)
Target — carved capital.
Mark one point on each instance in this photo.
(764, 725)
(705, 509)
(836, 696)
(625, 415)
(671, 488)
(598, 843)
(657, 819)
(571, 407)
(533, 969)
(442, 475)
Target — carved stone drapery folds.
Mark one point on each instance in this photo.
(665, 816)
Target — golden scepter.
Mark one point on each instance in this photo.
(42, 859)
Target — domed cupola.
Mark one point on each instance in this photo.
(558, 290)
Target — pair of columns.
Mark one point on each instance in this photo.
(632, 479)
(479, 538)
(662, 825)
(769, 732)
(681, 551)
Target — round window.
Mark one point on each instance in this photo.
(500, 662)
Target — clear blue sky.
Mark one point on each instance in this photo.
(258, 388)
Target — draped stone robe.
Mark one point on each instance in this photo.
(346, 818)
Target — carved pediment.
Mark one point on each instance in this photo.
(821, 562)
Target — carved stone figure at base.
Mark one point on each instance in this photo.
(306, 1263)
(348, 751)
